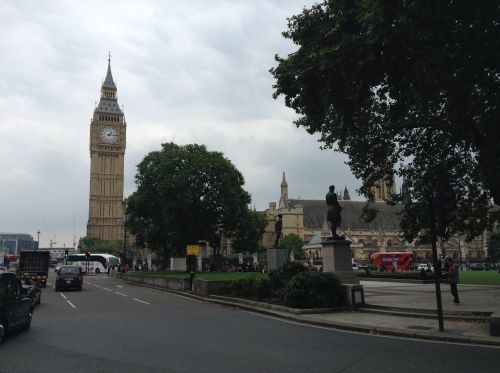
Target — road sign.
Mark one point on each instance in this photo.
(193, 249)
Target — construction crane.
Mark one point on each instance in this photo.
(52, 238)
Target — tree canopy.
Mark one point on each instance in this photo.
(293, 243)
(249, 232)
(184, 194)
(494, 246)
(97, 245)
(408, 88)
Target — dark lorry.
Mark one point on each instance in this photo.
(34, 264)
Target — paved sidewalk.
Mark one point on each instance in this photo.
(398, 298)
(481, 298)
(475, 299)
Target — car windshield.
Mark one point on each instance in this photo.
(69, 271)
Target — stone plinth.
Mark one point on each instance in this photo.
(276, 257)
(177, 264)
(337, 258)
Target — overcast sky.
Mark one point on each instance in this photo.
(186, 71)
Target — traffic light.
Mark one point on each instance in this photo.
(66, 252)
(447, 202)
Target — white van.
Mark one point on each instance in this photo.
(354, 265)
(424, 266)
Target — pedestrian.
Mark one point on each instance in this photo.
(109, 267)
(453, 279)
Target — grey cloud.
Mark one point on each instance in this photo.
(186, 72)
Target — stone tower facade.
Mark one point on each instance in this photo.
(284, 193)
(384, 188)
(107, 152)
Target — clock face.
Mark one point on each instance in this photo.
(109, 135)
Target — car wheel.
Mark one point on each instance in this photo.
(80, 288)
(28, 322)
(39, 299)
(97, 270)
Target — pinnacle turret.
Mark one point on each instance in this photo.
(284, 192)
(108, 81)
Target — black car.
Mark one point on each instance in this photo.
(16, 308)
(69, 277)
(31, 290)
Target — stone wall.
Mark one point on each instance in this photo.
(172, 283)
(205, 288)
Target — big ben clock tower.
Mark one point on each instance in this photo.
(107, 151)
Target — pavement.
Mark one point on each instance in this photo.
(407, 310)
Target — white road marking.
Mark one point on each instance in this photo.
(138, 300)
(123, 295)
(119, 286)
(107, 289)
(97, 286)
(67, 300)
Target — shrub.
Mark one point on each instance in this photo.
(244, 287)
(280, 277)
(314, 289)
(263, 289)
(251, 288)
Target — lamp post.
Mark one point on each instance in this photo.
(125, 230)
(38, 239)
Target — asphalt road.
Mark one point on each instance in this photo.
(112, 326)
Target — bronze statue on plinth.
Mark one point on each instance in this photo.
(278, 226)
(334, 210)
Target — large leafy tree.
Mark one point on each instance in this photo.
(97, 245)
(494, 246)
(293, 243)
(407, 87)
(184, 193)
(249, 232)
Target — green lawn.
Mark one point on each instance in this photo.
(479, 277)
(215, 276)
(466, 277)
(161, 273)
(221, 276)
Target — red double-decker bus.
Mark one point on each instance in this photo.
(400, 260)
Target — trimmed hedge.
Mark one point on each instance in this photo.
(280, 277)
(251, 288)
(314, 289)
(293, 285)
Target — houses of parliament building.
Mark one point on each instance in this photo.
(307, 219)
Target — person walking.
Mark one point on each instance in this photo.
(453, 279)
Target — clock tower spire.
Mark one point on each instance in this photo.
(107, 152)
